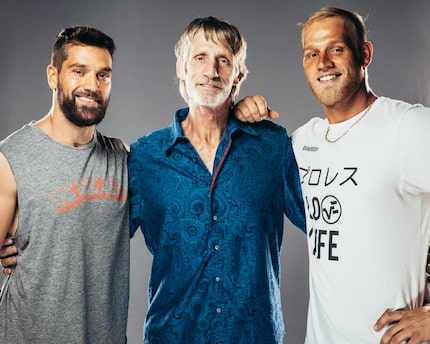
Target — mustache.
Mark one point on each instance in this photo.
(216, 82)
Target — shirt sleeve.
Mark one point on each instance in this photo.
(414, 144)
(134, 190)
(293, 199)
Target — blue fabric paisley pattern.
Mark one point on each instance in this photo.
(215, 238)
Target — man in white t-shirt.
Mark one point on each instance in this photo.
(365, 179)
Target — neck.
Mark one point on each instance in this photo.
(206, 124)
(204, 127)
(350, 107)
(60, 129)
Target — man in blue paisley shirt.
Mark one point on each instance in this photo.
(209, 194)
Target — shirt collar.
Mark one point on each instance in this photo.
(177, 135)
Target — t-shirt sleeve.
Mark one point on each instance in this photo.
(414, 145)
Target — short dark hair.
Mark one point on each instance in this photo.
(78, 35)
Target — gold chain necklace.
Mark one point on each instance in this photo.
(349, 129)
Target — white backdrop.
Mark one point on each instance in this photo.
(145, 93)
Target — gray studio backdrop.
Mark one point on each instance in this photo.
(145, 93)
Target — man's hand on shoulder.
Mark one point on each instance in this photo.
(253, 109)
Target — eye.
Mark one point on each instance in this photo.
(104, 76)
(312, 55)
(224, 61)
(336, 50)
(78, 72)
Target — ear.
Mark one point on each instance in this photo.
(367, 54)
(52, 74)
(238, 79)
(180, 69)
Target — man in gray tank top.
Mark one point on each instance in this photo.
(63, 198)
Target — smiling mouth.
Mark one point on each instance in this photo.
(212, 86)
(88, 99)
(88, 102)
(328, 77)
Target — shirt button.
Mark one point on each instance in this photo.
(217, 279)
(215, 217)
(216, 247)
(218, 310)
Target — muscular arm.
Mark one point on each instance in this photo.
(8, 204)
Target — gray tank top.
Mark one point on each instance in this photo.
(71, 283)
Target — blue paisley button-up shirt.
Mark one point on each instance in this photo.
(215, 238)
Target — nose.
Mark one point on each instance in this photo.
(211, 69)
(91, 82)
(324, 61)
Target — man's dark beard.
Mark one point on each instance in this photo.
(83, 116)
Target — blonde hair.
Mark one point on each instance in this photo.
(226, 33)
(354, 23)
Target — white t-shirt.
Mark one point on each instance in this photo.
(368, 208)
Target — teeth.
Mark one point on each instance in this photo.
(85, 99)
(327, 77)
